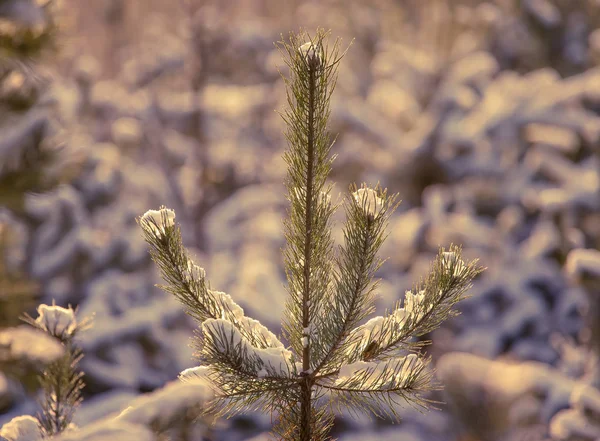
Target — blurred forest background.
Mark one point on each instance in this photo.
(483, 115)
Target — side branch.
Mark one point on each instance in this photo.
(367, 212)
(348, 321)
(434, 302)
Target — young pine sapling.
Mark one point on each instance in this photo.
(61, 381)
(331, 360)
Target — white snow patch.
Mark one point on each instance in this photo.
(109, 429)
(251, 327)
(571, 423)
(452, 263)
(309, 51)
(165, 404)
(56, 320)
(583, 261)
(377, 328)
(228, 303)
(22, 428)
(153, 220)
(370, 202)
(193, 271)
(586, 399)
(413, 303)
(194, 374)
(102, 406)
(403, 367)
(30, 343)
(226, 336)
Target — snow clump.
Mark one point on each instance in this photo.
(158, 220)
(22, 428)
(369, 200)
(56, 320)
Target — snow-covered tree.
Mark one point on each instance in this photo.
(25, 32)
(61, 380)
(32, 157)
(331, 359)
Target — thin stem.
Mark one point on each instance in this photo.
(305, 402)
(306, 385)
(308, 219)
(57, 425)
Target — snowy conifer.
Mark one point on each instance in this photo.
(32, 157)
(330, 359)
(61, 380)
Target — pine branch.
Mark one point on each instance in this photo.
(187, 281)
(265, 395)
(61, 384)
(379, 386)
(367, 213)
(225, 345)
(445, 286)
(448, 280)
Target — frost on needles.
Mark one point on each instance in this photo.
(331, 357)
